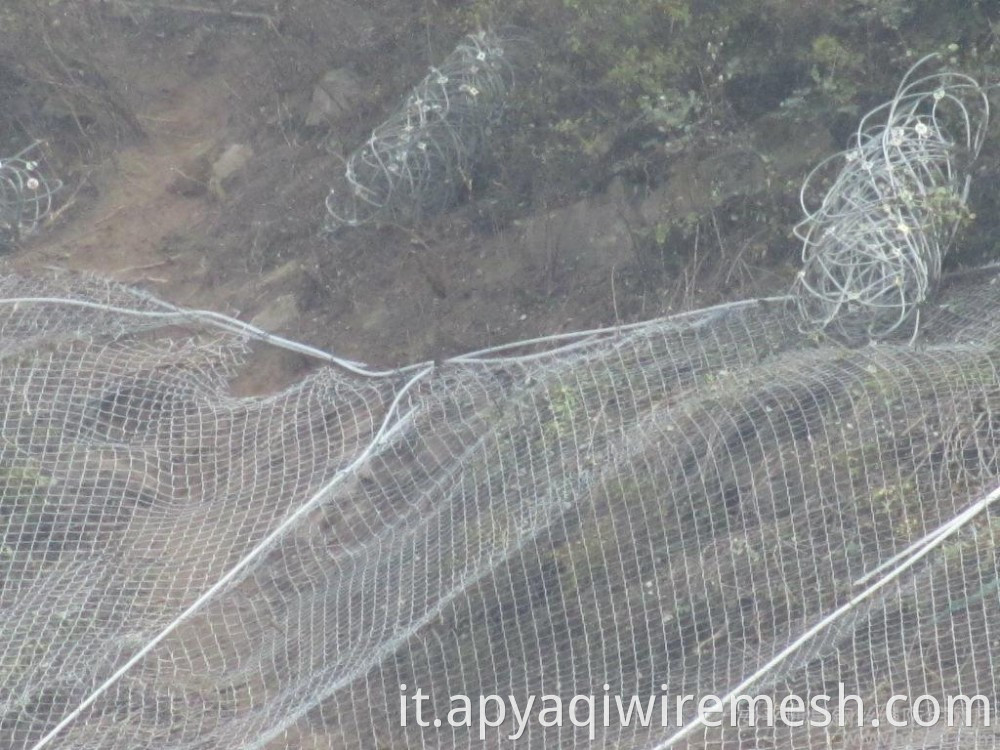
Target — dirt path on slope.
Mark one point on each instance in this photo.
(124, 234)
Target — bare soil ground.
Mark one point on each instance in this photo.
(125, 233)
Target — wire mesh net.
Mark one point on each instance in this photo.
(713, 503)
(872, 249)
(26, 194)
(417, 162)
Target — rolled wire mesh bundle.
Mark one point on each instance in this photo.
(25, 194)
(872, 250)
(415, 163)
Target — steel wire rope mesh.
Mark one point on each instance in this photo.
(26, 194)
(873, 247)
(707, 501)
(416, 163)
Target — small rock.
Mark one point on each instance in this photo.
(232, 160)
(279, 314)
(336, 95)
(592, 232)
(224, 169)
(191, 176)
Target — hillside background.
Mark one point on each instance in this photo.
(649, 158)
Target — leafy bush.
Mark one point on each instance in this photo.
(621, 85)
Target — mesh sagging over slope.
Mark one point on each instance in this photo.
(677, 504)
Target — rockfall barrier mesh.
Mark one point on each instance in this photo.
(712, 503)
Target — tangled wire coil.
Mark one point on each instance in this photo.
(872, 250)
(415, 163)
(25, 195)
